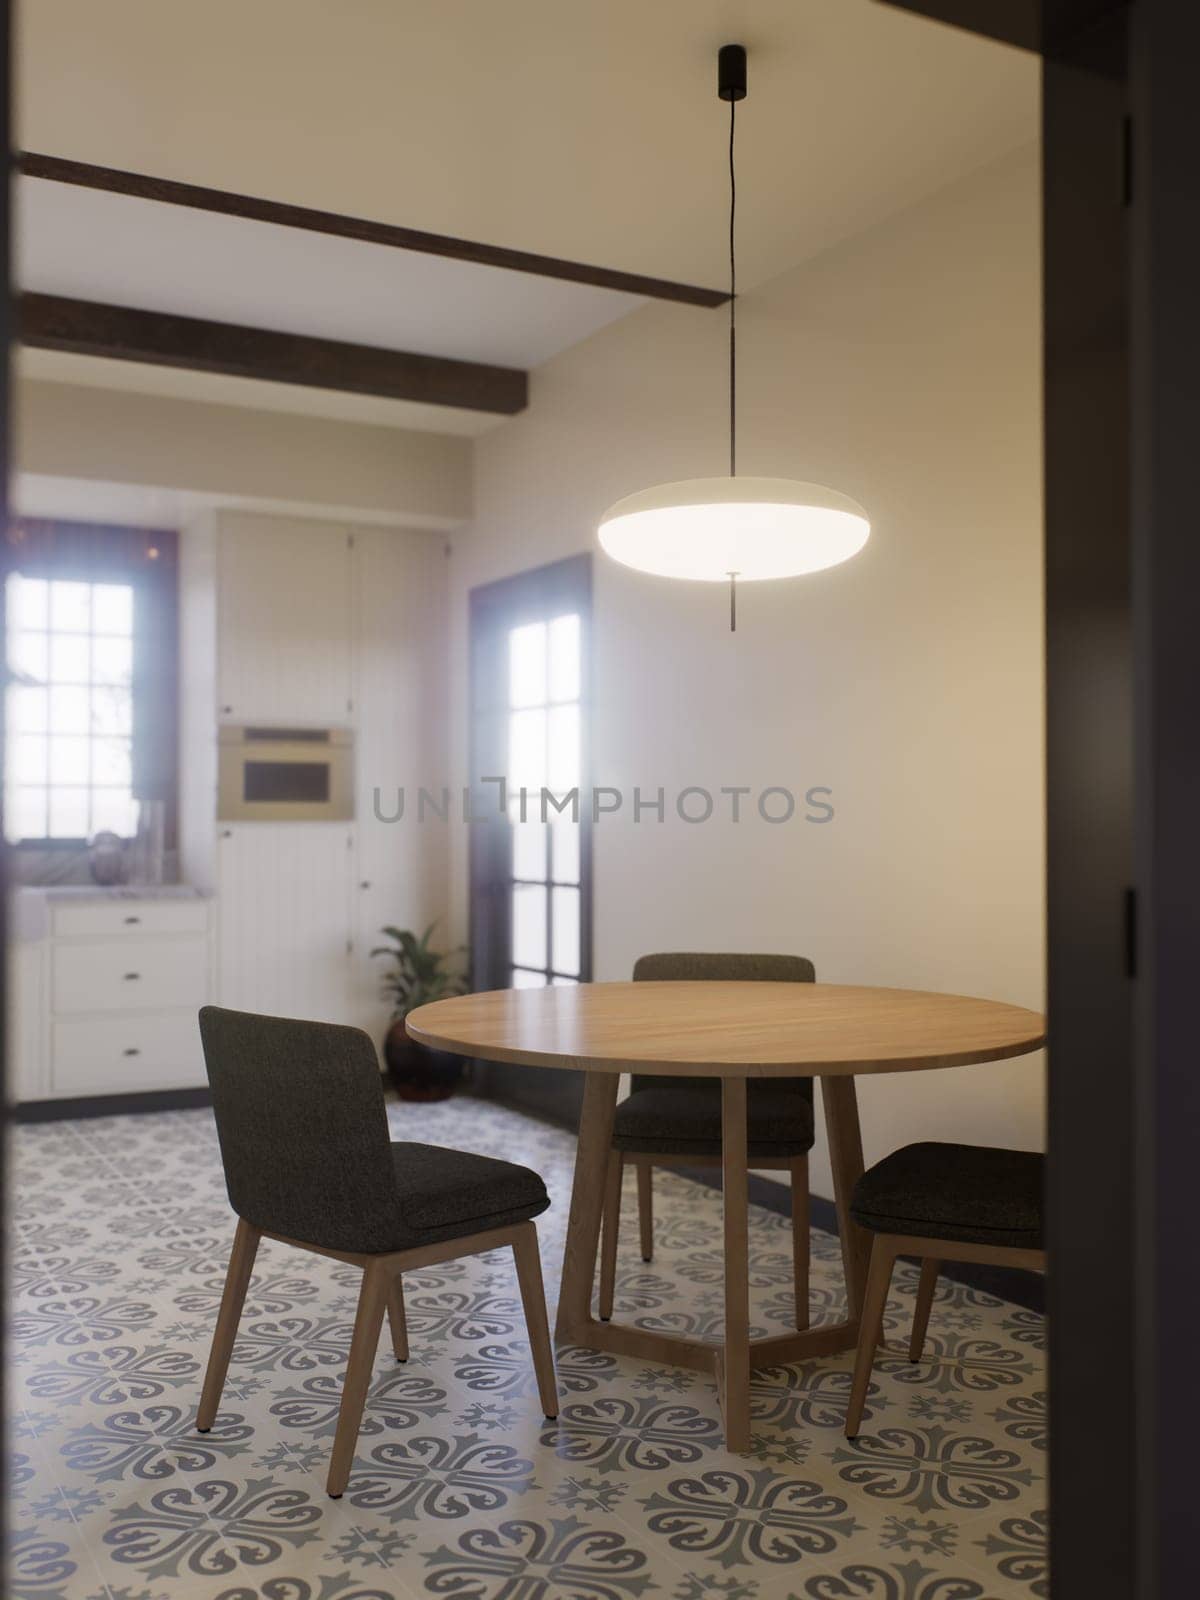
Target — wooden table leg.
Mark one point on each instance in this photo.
(610, 1233)
(734, 1371)
(587, 1205)
(840, 1100)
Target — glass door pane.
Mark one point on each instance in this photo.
(544, 736)
(530, 864)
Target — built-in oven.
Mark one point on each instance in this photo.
(285, 774)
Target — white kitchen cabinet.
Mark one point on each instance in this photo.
(399, 696)
(284, 625)
(315, 623)
(283, 924)
(127, 974)
(127, 1053)
(129, 917)
(105, 994)
(29, 1067)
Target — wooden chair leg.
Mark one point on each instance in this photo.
(611, 1230)
(533, 1298)
(879, 1277)
(397, 1320)
(801, 1242)
(925, 1291)
(233, 1297)
(372, 1299)
(645, 1183)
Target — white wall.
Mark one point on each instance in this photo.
(903, 369)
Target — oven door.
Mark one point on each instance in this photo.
(285, 775)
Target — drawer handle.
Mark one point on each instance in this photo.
(130, 976)
(131, 1051)
(133, 919)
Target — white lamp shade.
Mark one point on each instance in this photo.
(706, 528)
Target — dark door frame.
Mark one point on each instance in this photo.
(5, 345)
(1165, 275)
(493, 609)
(1121, 142)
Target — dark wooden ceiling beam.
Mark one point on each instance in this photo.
(120, 333)
(1088, 32)
(1016, 22)
(58, 169)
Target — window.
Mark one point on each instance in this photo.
(544, 752)
(90, 618)
(70, 710)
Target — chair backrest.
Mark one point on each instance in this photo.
(302, 1128)
(686, 966)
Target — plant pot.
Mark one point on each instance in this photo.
(415, 1071)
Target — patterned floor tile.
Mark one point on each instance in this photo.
(460, 1487)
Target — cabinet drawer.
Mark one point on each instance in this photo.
(122, 1055)
(130, 975)
(106, 919)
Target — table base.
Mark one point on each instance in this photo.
(700, 1355)
(732, 1361)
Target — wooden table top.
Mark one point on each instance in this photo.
(728, 1029)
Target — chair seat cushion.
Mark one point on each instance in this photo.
(968, 1192)
(668, 1120)
(446, 1194)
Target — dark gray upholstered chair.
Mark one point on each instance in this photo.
(677, 1121)
(309, 1161)
(941, 1202)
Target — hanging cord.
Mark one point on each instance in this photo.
(732, 303)
(732, 348)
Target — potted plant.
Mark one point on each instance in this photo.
(418, 974)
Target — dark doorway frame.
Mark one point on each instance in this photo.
(6, 44)
(1121, 142)
(495, 608)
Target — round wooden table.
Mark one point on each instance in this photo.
(729, 1031)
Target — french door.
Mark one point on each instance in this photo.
(530, 880)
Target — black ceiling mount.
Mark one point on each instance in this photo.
(731, 72)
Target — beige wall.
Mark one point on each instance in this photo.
(270, 457)
(903, 369)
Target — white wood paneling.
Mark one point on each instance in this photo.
(283, 896)
(284, 633)
(399, 684)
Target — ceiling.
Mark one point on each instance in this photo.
(126, 251)
(168, 258)
(585, 130)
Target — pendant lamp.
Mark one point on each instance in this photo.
(718, 530)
